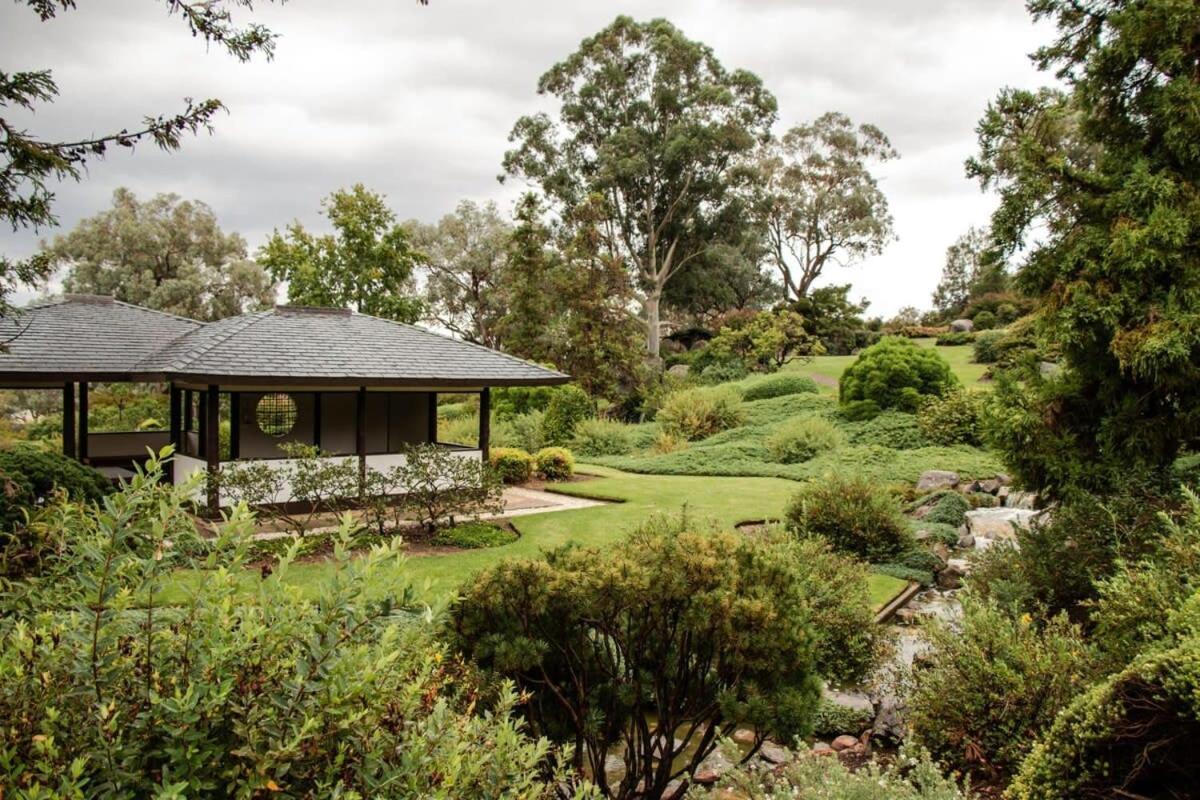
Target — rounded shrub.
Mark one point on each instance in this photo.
(512, 464)
(778, 386)
(896, 373)
(569, 406)
(950, 510)
(852, 514)
(953, 418)
(984, 320)
(555, 463)
(30, 475)
(602, 437)
(693, 414)
(986, 349)
(801, 439)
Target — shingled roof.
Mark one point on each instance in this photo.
(286, 345)
(84, 337)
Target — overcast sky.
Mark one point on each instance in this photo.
(417, 102)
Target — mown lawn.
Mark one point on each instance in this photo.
(826, 370)
(722, 501)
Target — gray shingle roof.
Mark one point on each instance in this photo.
(85, 335)
(284, 345)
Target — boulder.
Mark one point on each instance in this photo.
(774, 753)
(859, 701)
(997, 523)
(1004, 478)
(844, 742)
(678, 370)
(822, 749)
(942, 551)
(1002, 495)
(962, 326)
(966, 540)
(743, 736)
(706, 777)
(951, 575)
(934, 479)
(991, 486)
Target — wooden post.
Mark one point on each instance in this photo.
(176, 412)
(485, 422)
(83, 421)
(69, 420)
(432, 431)
(316, 433)
(235, 425)
(360, 438)
(189, 409)
(211, 423)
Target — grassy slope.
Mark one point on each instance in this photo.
(724, 501)
(888, 449)
(827, 369)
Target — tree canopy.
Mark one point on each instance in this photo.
(818, 201)
(971, 270)
(653, 123)
(367, 263)
(1106, 172)
(164, 253)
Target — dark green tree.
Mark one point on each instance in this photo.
(367, 263)
(652, 122)
(30, 165)
(1107, 173)
(971, 270)
(530, 274)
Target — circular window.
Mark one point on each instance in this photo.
(276, 414)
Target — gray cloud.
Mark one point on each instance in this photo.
(417, 102)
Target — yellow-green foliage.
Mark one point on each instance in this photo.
(699, 413)
(512, 464)
(953, 418)
(555, 463)
(801, 439)
(853, 514)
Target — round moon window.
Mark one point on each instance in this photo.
(276, 414)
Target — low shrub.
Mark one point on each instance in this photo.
(693, 414)
(922, 576)
(512, 464)
(860, 410)
(991, 684)
(911, 776)
(938, 532)
(951, 509)
(834, 719)
(984, 320)
(955, 338)
(602, 437)
(893, 429)
(568, 406)
(953, 418)
(665, 443)
(778, 386)
(896, 373)
(852, 514)
(526, 431)
(800, 439)
(555, 463)
(474, 535)
(31, 475)
(724, 371)
(985, 350)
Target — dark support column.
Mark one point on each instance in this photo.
(83, 421)
(176, 412)
(211, 423)
(431, 435)
(69, 420)
(485, 421)
(360, 438)
(316, 435)
(189, 409)
(235, 425)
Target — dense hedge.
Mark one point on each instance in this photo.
(31, 475)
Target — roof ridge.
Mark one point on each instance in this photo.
(476, 345)
(237, 325)
(179, 317)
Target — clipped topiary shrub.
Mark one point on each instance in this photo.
(778, 386)
(555, 463)
(512, 464)
(602, 437)
(569, 406)
(852, 514)
(800, 439)
(896, 373)
(950, 510)
(693, 414)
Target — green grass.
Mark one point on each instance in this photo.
(826, 370)
(723, 501)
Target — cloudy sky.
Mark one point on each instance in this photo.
(417, 102)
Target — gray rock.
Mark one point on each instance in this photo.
(951, 575)
(998, 523)
(679, 370)
(844, 742)
(859, 701)
(822, 749)
(966, 540)
(889, 722)
(937, 479)
(1004, 478)
(942, 551)
(1002, 495)
(774, 753)
(990, 486)
(743, 736)
(962, 326)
